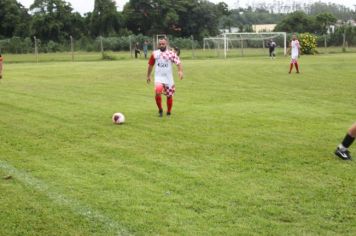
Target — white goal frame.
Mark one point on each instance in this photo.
(215, 40)
(240, 37)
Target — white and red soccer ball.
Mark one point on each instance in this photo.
(118, 118)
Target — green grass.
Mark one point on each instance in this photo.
(248, 149)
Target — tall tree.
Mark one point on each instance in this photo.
(54, 20)
(138, 15)
(180, 18)
(296, 22)
(251, 16)
(324, 20)
(223, 9)
(152, 17)
(14, 19)
(339, 11)
(200, 20)
(105, 18)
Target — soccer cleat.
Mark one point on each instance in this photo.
(160, 113)
(343, 153)
(168, 114)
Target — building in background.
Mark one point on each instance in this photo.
(263, 28)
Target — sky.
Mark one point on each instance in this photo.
(83, 6)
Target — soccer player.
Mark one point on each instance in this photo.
(271, 45)
(164, 83)
(294, 49)
(342, 150)
(137, 50)
(1, 60)
(145, 48)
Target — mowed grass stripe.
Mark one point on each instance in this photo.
(93, 216)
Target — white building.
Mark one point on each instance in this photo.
(263, 28)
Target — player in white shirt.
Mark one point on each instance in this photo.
(294, 50)
(162, 59)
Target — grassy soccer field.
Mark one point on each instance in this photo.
(248, 149)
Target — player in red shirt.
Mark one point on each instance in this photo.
(162, 59)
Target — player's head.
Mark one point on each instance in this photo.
(294, 37)
(162, 44)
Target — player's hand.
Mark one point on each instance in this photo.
(148, 79)
(180, 75)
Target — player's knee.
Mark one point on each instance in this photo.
(159, 89)
(352, 131)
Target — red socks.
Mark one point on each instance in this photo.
(296, 67)
(290, 68)
(169, 104)
(159, 102)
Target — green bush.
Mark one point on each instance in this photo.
(184, 43)
(108, 56)
(53, 46)
(308, 43)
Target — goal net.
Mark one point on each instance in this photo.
(243, 44)
(214, 46)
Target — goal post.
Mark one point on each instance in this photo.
(247, 40)
(214, 43)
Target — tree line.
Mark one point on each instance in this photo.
(54, 21)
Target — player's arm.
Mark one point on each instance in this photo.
(176, 60)
(149, 71)
(151, 63)
(289, 49)
(180, 71)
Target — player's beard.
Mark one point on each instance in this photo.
(163, 49)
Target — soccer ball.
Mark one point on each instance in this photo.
(118, 118)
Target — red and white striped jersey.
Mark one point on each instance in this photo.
(163, 66)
